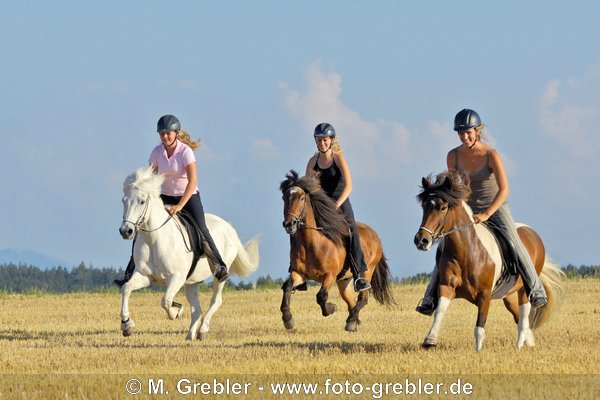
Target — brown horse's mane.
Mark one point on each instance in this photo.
(452, 186)
(328, 218)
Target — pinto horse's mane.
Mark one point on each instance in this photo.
(328, 218)
(452, 186)
(146, 180)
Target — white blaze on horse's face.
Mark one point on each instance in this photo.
(294, 203)
(435, 212)
(135, 204)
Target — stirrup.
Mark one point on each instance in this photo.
(538, 299)
(361, 284)
(221, 274)
(426, 306)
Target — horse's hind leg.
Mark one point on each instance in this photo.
(173, 309)
(348, 294)
(192, 296)
(326, 308)
(137, 281)
(215, 304)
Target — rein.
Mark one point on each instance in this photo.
(298, 218)
(438, 233)
(141, 220)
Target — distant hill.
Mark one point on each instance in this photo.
(30, 257)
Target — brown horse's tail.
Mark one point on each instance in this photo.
(380, 282)
(553, 279)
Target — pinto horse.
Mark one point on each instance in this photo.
(469, 263)
(318, 230)
(162, 253)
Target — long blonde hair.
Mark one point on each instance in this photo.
(184, 137)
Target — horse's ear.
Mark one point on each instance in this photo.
(424, 183)
(447, 184)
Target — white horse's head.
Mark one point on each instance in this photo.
(139, 189)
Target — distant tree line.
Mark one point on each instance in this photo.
(27, 278)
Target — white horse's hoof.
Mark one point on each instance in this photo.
(202, 335)
(127, 327)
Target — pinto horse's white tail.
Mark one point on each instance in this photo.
(247, 258)
(553, 280)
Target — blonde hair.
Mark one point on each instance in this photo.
(482, 133)
(184, 137)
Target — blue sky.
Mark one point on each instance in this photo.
(82, 86)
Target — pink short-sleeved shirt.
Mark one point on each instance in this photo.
(173, 168)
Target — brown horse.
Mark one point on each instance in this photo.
(318, 230)
(469, 263)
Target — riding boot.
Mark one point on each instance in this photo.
(221, 274)
(428, 303)
(360, 282)
(128, 273)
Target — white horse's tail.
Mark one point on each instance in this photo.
(553, 279)
(246, 261)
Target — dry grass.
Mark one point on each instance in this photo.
(76, 334)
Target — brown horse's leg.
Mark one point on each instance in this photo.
(286, 313)
(326, 308)
(353, 320)
(483, 306)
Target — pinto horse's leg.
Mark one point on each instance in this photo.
(137, 281)
(192, 296)
(483, 307)
(326, 308)
(438, 316)
(215, 304)
(173, 309)
(524, 332)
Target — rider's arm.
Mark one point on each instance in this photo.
(311, 165)
(190, 188)
(340, 160)
(502, 181)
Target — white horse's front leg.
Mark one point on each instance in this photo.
(215, 303)
(438, 317)
(524, 332)
(173, 309)
(192, 295)
(136, 282)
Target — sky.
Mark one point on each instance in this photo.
(82, 85)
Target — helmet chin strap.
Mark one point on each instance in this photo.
(323, 152)
(474, 143)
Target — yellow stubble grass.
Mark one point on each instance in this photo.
(80, 334)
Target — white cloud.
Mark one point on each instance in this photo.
(568, 114)
(372, 145)
(264, 149)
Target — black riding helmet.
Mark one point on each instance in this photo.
(168, 123)
(324, 130)
(466, 119)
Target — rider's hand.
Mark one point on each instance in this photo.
(480, 218)
(174, 209)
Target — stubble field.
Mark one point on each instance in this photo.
(70, 346)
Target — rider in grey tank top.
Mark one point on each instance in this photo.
(483, 185)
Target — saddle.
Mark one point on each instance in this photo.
(195, 244)
(510, 261)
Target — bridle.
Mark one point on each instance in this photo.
(438, 233)
(298, 218)
(142, 219)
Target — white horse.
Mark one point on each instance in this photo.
(161, 253)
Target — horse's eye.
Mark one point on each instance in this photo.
(443, 208)
(143, 201)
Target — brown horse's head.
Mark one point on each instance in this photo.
(438, 199)
(303, 193)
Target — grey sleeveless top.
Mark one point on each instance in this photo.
(483, 185)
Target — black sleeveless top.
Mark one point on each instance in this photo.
(331, 179)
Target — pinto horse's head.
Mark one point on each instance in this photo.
(438, 197)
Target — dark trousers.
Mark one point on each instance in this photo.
(195, 209)
(356, 253)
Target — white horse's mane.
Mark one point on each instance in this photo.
(146, 180)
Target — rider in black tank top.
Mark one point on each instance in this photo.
(332, 182)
